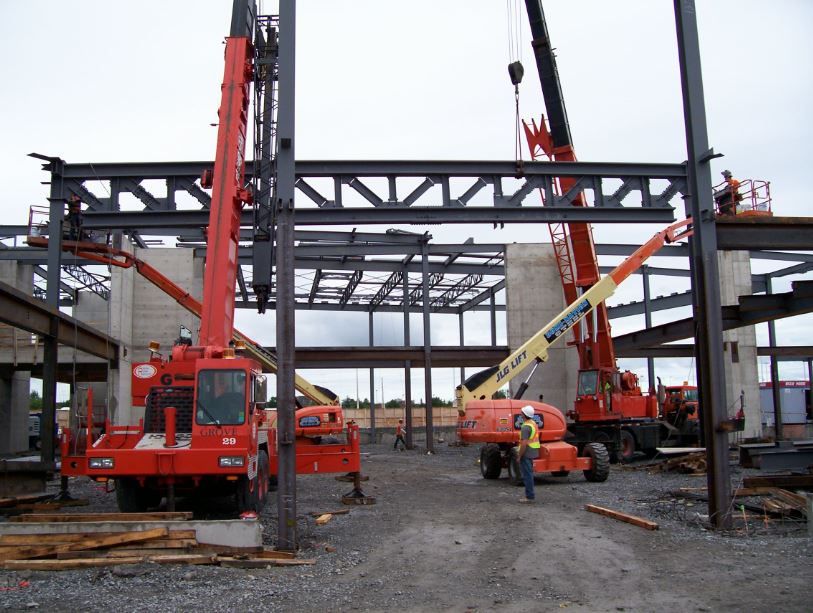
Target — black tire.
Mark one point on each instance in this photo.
(490, 461)
(627, 449)
(130, 496)
(560, 473)
(263, 479)
(599, 463)
(273, 483)
(251, 492)
(514, 472)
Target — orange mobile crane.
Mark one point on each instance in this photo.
(206, 427)
(610, 406)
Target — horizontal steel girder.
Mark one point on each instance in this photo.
(783, 354)
(745, 233)
(34, 316)
(394, 357)
(750, 310)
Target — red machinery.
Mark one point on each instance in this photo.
(610, 406)
(205, 427)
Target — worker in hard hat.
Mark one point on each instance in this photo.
(728, 195)
(528, 451)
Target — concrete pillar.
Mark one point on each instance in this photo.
(140, 313)
(15, 385)
(533, 298)
(740, 345)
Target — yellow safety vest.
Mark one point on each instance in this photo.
(533, 441)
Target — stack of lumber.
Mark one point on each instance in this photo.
(774, 501)
(693, 464)
(77, 548)
(35, 502)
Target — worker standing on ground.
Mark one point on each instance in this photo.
(399, 435)
(728, 195)
(528, 451)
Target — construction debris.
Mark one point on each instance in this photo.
(323, 519)
(692, 464)
(630, 519)
(79, 547)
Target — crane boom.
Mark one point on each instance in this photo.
(483, 385)
(228, 184)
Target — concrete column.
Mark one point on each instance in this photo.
(534, 297)
(15, 385)
(740, 345)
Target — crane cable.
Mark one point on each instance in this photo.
(515, 71)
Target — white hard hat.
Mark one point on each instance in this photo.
(528, 411)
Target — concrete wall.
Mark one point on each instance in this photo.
(740, 344)
(534, 297)
(15, 388)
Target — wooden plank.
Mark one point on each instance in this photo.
(323, 519)
(190, 558)
(630, 519)
(120, 553)
(74, 537)
(339, 512)
(166, 544)
(13, 501)
(797, 501)
(274, 554)
(261, 562)
(24, 553)
(784, 481)
(67, 564)
(80, 517)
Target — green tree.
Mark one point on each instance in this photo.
(437, 402)
(272, 402)
(395, 403)
(500, 394)
(35, 401)
(349, 403)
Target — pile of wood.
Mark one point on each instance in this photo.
(692, 464)
(15, 505)
(774, 501)
(77, 548)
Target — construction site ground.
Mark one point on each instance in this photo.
(442, 538)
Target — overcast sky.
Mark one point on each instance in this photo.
(106, 81)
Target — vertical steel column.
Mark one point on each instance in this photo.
(493, 319)
(650, 361)
(51, 347)
(427, 346)
(372, 380)
(776, 390)
(285, 309)
(407, 365)
(705, 274)
(461, 335)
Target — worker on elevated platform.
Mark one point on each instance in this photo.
(728, 195)
(74, 218)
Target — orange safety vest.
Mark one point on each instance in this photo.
(533, 440)
(399, 430)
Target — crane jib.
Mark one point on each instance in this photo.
(568, 320)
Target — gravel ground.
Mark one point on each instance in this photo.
(442, 538)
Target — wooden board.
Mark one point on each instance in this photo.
(323, 519)
(261, 562)
(630, 519)
(785, 481)
(28, 552)
(74, 537)
(67, 564)
(79, 517)
(274, 554)
(339, 512)
(189, 558)
(121, 553)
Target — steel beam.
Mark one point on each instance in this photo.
(745, 233)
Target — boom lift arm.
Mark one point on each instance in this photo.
(109, 256)
(483, 385)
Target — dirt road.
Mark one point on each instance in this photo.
(443, 538)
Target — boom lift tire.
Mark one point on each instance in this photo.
(490, 461)
(600, 463)
(627, 450)
(133, 498)
(514, 473)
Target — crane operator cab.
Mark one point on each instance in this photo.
(221, 397)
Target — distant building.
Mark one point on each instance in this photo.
(795, 402)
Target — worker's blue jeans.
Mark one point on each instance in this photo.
(526, 469)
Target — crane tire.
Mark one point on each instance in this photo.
(600, 462)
